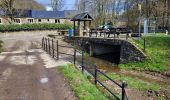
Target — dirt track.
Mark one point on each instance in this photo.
(28, 73)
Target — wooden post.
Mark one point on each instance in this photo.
(74, 26)
(53, 47)
(84, 25)
(89, 24)
(84, 28)
(79, 28)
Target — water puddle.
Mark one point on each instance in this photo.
(44, 80)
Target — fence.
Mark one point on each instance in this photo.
(48, 46)
(52, 48)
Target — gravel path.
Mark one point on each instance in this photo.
(28, 73)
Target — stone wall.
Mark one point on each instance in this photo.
(130, 53)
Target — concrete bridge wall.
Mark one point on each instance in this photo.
(100, 49)
(128, 51)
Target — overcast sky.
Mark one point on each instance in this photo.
(69, 4)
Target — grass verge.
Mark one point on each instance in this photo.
(83, 89)
(158, 51)
(133, 82)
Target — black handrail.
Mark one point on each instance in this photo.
(48, 45)
(109, 78)
(108, 90)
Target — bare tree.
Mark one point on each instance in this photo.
(57, 4)
(8, 8)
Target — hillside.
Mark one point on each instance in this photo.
(28, 4)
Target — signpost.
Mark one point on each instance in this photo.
(145, 26)
(139, 8)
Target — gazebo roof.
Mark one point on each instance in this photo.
(82, 17)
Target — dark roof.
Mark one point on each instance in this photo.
(22, 13)
(48, 14)
(43, 14)
(82, 17)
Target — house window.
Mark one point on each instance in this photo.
(17, 20)
(57, 21)
(48, 20)
(30, 20)
(39, 20)
(0, 21)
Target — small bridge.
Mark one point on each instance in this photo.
(124, 50)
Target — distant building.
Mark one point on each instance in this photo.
(37, 16)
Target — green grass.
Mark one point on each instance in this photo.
(83, 89)
(1, 44)
(158, 52)
(133, 82)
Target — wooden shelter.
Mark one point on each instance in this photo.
(83, 17)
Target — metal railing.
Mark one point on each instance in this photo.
(49, 46)
(52, 48)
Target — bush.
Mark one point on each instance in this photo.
(30, 27)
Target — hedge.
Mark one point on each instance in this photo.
(31, 27)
